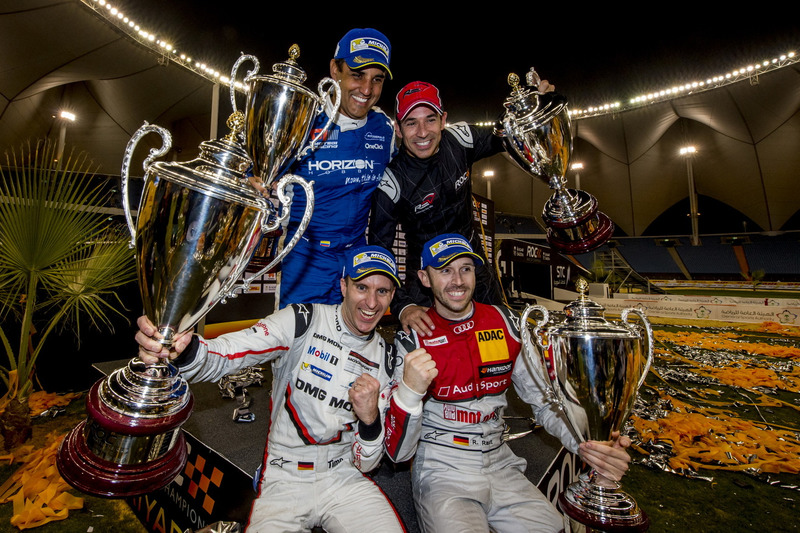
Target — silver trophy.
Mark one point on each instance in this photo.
(198, 223)
(594, 370)
(537, 135)
(280, 112)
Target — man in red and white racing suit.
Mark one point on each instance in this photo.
(449, 404)
(331, 378)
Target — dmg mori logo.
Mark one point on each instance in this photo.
(466, 326)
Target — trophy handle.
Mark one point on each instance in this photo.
(250, 74)
(324, 94)
(540, 366)
(285, 200)
(649, 331)
(166, 138)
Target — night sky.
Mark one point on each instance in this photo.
(592, 58)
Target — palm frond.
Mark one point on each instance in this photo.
(60, 256)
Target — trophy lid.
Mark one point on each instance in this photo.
(530, 108)
(586, 317)
(145, 391)
(219, 169)
(289, 70)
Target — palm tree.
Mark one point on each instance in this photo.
(61, 259)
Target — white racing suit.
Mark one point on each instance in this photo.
(464, 477)
(316, 452)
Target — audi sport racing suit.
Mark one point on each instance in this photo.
(346, 167)
(316, 448)
(429, 197)
(464, 478)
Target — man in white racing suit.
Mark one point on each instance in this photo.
(331, 379)
(449, 403)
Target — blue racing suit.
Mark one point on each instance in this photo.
(346, 168)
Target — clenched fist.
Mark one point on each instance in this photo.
(419, 370)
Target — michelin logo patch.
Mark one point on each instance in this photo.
(317, 371)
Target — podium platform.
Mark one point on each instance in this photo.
(225, 456)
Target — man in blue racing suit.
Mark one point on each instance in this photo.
(332, 374)
(346, 168)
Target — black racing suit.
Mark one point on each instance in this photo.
(429, 197)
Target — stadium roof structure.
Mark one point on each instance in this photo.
(79, 56)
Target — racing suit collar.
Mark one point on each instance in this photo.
(342, 328)
(464, 318)
(344, 122)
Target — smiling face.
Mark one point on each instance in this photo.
(452, 286)
(361, 88)
(421, 131)
(365, 302)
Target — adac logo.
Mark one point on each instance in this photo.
(492, 345)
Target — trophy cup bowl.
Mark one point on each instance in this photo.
(537, 134)
(197, 225)
(279, 114)
(595, 368)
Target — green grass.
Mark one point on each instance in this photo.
(732, 503)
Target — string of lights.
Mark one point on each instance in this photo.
(170, 53)
(158, 44)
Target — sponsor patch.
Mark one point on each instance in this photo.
(438, 341)
(466, 326)
(492, 345)
(487, 371)
(426, 203)
(465, 416)
(316, 371)
(358, 364)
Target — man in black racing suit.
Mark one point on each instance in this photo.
(427, 189)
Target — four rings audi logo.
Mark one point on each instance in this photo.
(466, 326)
